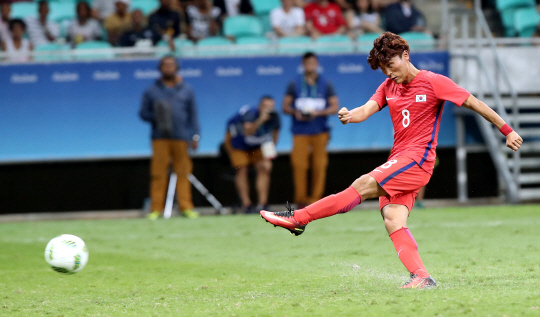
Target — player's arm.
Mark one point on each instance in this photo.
(513, 140)
(358, 114)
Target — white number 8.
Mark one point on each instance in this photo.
(389, 163)
(406, 118)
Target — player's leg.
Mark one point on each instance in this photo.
(264, 169)
(183, 166)
(319, 166)
(300, 166)
(159, 165)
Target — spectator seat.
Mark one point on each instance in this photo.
(181, 45)
(525, 21)
(215, 46)
(253, 46)
(419, 41)
(103, 50)
(22, 10)
(263, 7)
(294, 45)
(146, 6)
(242, 25)
(60, 11)
(365, 42)
(334, 44)
(507, 9)
(53, 48)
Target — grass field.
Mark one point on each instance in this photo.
(486, 261)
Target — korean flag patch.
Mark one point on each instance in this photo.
(420, 98)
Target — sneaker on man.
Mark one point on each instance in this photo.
(420, 282)
(284, 219)
(153, 215)
(190, 213)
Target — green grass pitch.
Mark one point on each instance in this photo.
(486, 261)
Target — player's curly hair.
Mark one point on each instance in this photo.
(385, 47)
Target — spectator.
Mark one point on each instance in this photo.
(5, 12)
(403, 17)
(41, 30)
(310, 99)
(17, 48)
(165, 20)
(323, 18)
(250, 141)
(118, 22)
(364, 18)
(138, 31)
(231, 8)
(84, 28)
(102, 9)
(202, 20)
(169, 106)
(288, 20)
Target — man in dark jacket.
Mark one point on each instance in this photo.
(169, 105)
(165, 20)
(403, 17)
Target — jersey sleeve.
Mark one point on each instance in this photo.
(380, 96)
(446, 89)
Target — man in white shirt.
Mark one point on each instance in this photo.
(288, 20)
(101, 9)
(41, 30)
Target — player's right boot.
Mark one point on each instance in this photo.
(420, 282)
(284, 219)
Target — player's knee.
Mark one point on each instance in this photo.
(366, 186)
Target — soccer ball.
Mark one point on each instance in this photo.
(66, 254)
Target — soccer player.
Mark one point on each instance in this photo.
(415, 99)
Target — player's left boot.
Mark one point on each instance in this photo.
(284, 219)
(420, 282)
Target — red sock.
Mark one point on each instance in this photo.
(407, 251)
(339, 203)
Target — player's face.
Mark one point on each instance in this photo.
(397, 68)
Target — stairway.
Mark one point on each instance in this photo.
(526, 167)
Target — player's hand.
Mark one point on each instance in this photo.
(344, 115)
(513, 141)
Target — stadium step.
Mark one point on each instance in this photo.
(529, 118)
(529, 178)
(527, 147)
(529, 162)
(529, 132)
(529, 193)
(523, 102)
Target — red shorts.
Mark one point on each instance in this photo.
(401, 178)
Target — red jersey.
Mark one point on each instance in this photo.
(325, 19)
(416, 109)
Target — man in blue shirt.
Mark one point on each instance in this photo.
(169, 106)
(250, 141)
(310, 99)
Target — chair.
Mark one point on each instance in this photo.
(265, 21)
(507, 10)
(62, 11)
(146, 6)
(181, 45)
(365, 42)
(253, 46)
(294, 45)
(242, 25)
(419, 41)
(214, 46)
(85, 50)
(334, 44)
(53, 47)
(22, 10)
(526, 21)
(262, 7)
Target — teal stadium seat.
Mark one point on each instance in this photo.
(60, 11)
(265, 21)
(146, 6)
(419, 41)
(365, 42)
(105, 50)
(22, 10)
(241, 26)
(525, 21)
(507, 10)
(334, 44)
(53, 55)
(294, 45)
(184, 47)
(253, 46)
(263, 7)
(214, 46)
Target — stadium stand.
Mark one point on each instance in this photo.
(334, 44)
(241, 26)
(526, 21)
(507, 10)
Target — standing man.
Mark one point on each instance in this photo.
(250, 141)
(310, 99)
(415, 99)
(169, 106)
